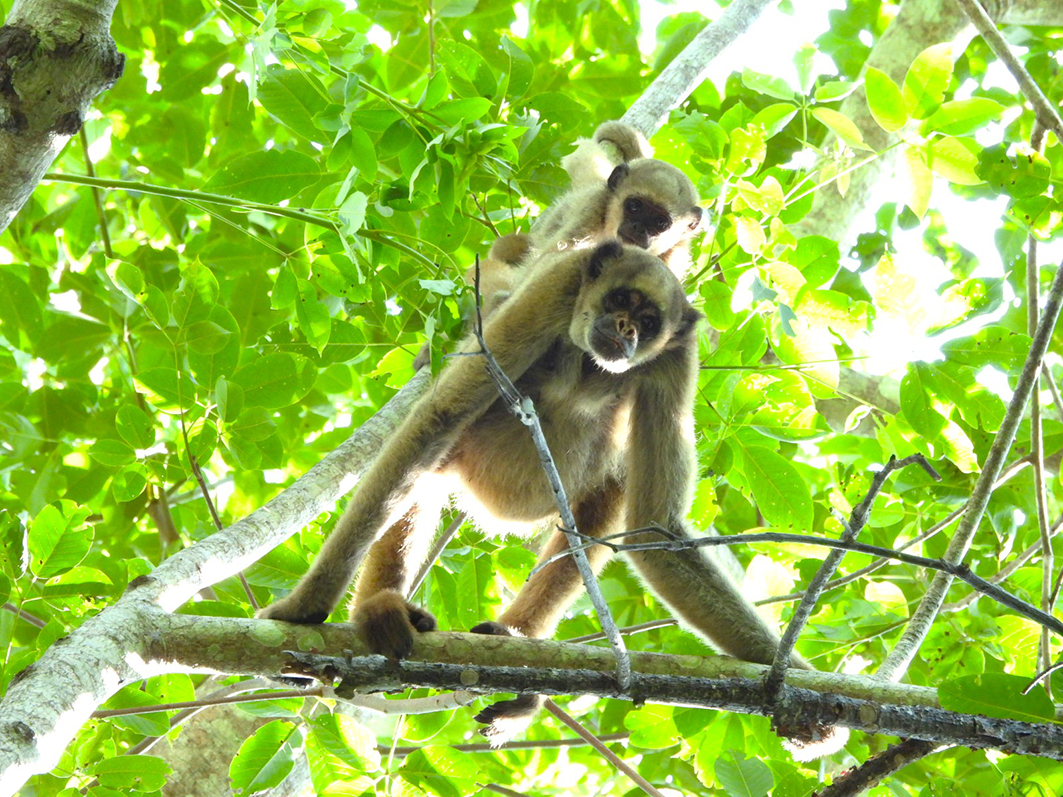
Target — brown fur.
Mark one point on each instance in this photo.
(621, 431)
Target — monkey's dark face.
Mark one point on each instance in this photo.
(654, 206)
(643, 221)
(629, 309)
(627, 321)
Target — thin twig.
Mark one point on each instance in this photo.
(1004, 573)
(521, 406)
(1044, 653)
(773, 684)
(197, 472)
(1042, 106)
(859, 779)
(1053, 388)
(527, 744)
(105, 236)
(960, 571)
(22, 614)
(923, 618)
(666, 622)
(441, 542)
(1009, 472)
(604, 751)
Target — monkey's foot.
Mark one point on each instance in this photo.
(811, 742)
(292, 612)
(387, 623)
(507, 718)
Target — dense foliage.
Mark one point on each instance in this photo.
(368, 155)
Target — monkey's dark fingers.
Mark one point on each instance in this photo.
(282, 610)
(387, 623)
(492, 628)
(507, 718)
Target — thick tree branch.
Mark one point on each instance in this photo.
(688, 69)
(56, 56)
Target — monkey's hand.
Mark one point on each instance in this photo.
(387, 623)
(506, 718)
(293, 611)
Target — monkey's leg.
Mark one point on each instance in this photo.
(518, 335)
(538, 606)
(387, 621)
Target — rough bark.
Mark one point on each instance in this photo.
(56, 56)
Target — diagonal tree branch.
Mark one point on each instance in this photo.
(900, 657)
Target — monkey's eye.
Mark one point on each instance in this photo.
(651, 325)
(617, 300)
(632, 206)
(661, 223)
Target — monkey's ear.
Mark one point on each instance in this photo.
(610, 250)
(618, 176)
(690, 319)
(695, 220)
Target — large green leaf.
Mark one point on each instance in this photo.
(269, 176)
(782, 495)
(265, 758)
(276, 380)
(59, 538)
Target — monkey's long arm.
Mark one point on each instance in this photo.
(518, 334)
(661, 472)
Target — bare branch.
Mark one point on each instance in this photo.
(603, 751)
(688, 69)
(880, 766)
(522, 407)
(857, 520)
(897, 662)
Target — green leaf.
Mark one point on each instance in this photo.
(268, 177)
(916, 175)
(962, 116)
(466, 69)
(842, 126)
(743, 777)
(129, 483)
(265, 758)
(113, 453)
(153, 723)
(20, 311)
(294, 97)
(996, 695)
(954, 161)
(442, 770)
(1024, 174)
(276, 380)
(916, 401)
(992, 345)
(782, 495)
(466, 110)
(775, 117)
(885, 101)
(766, 84)
(58, 538)
(138, 773)
(834, 90)
(342, 755)
(717, 304)
(165, 388)
(927, 79)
